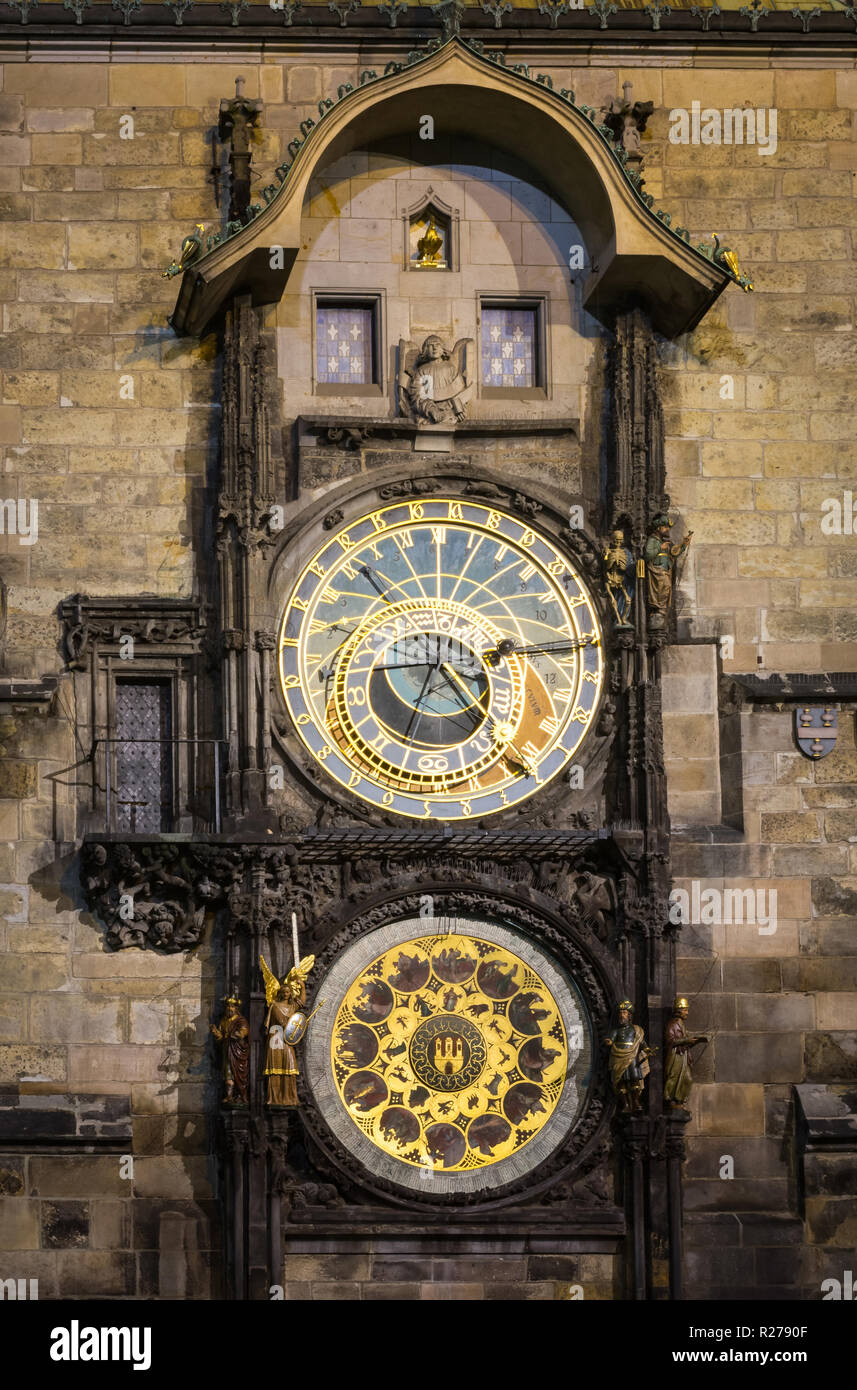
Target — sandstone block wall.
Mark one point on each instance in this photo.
(88, 221)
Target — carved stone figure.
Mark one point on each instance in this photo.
(435, 384)
(627, 119)
(628, 1058)
(284, 1002)
(661, 559)
(619, 576)
(678, 1078)
(592, 892)
(233, 1033)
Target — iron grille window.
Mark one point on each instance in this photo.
(144, 775)
(510, 346)
(346, 343)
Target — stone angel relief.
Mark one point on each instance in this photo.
(285, 1025)
(435, 384)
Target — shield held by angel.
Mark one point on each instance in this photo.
(285, 1001)
(435, 383)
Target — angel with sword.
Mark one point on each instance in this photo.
(283, 1001)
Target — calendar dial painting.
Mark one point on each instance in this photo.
(452, 1053)
(441, 659)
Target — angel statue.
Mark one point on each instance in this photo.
(435, 385)
(284, 1001)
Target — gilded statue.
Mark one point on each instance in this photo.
(628, 1058)
(233, 1034)
(435, 383)
(430, 247)
(619, 577)
(678, 1078)
(661, 557)
(285, 1025)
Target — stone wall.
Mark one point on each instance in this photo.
(781, 1009)
(89, 220)
(378, 1271)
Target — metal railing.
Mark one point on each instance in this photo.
(186, 786)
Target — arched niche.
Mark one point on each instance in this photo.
(633, 256)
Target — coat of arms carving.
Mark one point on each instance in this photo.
(816, 730)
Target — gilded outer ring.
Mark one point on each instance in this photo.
(320, 1076)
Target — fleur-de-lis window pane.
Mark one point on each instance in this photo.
(143, 756)
(509, 346)
(345, 344)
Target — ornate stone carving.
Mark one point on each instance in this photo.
(239, 116)
(156, 895)
(435, 383)
(409, 487)
(87, 621)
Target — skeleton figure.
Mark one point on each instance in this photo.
(619, 576)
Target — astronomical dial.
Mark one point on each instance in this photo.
(440, 659)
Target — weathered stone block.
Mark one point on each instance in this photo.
(65, 1225)
(830, 1174)
(33, 974)
(753, 1157)
(832, 1221)
(744, 1194)
(96, 1274)
(836, 1012)
(728, 1109)
(830, 973)
(831, 1056)
(73, 1019)
(785, 1012)
(722, 1265)
(759, 1057)
(19, 1224)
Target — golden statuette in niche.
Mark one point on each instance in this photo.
(449, 1052)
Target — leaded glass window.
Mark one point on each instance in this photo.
(144, 790)
(345, 343)
(510, 346)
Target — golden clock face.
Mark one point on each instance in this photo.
(441, 659)
(450, 1051)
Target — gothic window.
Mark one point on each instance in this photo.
(143, 788)
(431, 234)
(511, 350)
(346, 343)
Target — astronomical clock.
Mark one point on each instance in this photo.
(442, 670)
(441, 659)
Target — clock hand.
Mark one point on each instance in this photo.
(417, 714)
(471, 698)
(508, 742)
(508, 647)
(365, 570)
(522, 761)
